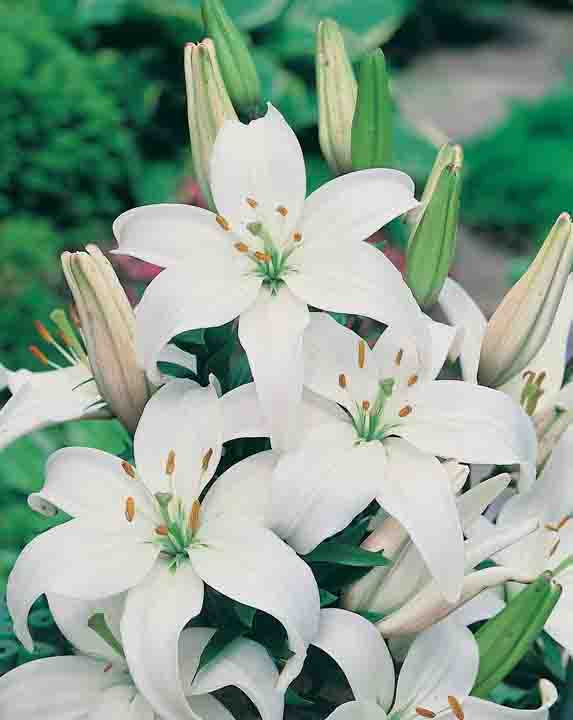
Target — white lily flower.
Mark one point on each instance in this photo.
(266, 256)
(550, 500)
(383, 445)
(97, 683)
(146, 532)
(436, 678)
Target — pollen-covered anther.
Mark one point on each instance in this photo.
(170, 464)
(241, 247)
(405, 411)
(223, 222)
(366, 405)
(162, 530)
(282, 210)
(425, 713)
(342, 380)
(399, 356)
(361, 353)
(412, 380)
(43, 332)
(108, 667)
(195, 517)
(38, 354)
(456, 707)
(263, 257)
(297, 236)
(65, 338)
(540, 378)
(206, 459)
(129, 509)
(252, 202)
(128, 469)
(74, 315)
(564, 520)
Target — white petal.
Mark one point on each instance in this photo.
(77, 561)
(474, 502)
(442, 661)
(251, 565)
(167, 234)
(319, 489)
(263, 161)
(482, 607)
(357, 711)
(207, 707)
(271, 332)
(244, 490)
(470, 423)
(462, 312)
(559, 623)
(332, 350)
(416, 491)
(478, 709)
(353, 278)
(242, 414)
(204, 291)
(57, 688)
(248, 666)
(352, 207)
(122, 703)
(359, 650)
(186, 419)
(174, 355)
(155, 614)
(478, 550)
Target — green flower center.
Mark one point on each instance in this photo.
(368, 419)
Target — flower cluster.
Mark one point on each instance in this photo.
(356, 530)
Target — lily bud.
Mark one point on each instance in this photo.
(208, 106)
(505, 639)
(108, 326)
(521, 323)
(337, 89)
(432, 243)
(236, 63)
(372, 124)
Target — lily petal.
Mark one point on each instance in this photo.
(156, 611)
(485, 710)
(415, 482)
(358, 711)
(122, 703)
(271, 332)
(242, 414)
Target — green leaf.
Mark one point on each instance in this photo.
(176, 371)
(326, 598)
(101, 12)
(374, 617)
(293, 698)
(190, 339)
(342, 554)
(245, 614)
(98, 624)
(220, 640)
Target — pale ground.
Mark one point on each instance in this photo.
(456, 93)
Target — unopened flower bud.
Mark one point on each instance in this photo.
(372, 124)
(208, 106)
(108, 326)
(432, 243)
(337, 89)
(521, 323)
(237, 66)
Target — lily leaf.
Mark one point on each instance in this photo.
(343, 554)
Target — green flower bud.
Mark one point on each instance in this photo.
(372, 124)
(237, 66)
(505, 639)
(432, 243)
(521, 323)
(337, 89)
(108, 326)
(208, 106)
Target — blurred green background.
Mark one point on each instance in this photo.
(93, 121)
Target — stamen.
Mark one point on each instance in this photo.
(554, 547)
(412, 380)
(282, 210)
(263, 257)
(297, 237)
(454, 703)
(551, 528)
(366, 405)
(130, 509)
(563, 522)
(540, 378)
(65, 339)
(162, 530)
(75, 316)
(170, 464)
(255, 228)
(39, 355)
(128, 469)
(399, 356)
(108, 667)
(425, 713)
(223, 222)
(195, 516)
(241, 247)
(361, 353)
(405, 411)
(206, 459)
(342, 380)
(43, 332)
(252, 202)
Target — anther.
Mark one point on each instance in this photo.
(405, 411)
(563, 522)
(170, 464)
(252, 202)
(361, 353)
(65, 338)
(282, 210)
(425, 713)
(241, 247)
(43, 332)
(206, 459)
(39, 355)
(540, 378)
(162, 530)
(528, 375)
(399, 356)
(108, 667)
(342, 380)
(263, 257)
(129, 509)
(454, 703)
(366, 405)
(223, 222)
(297, 237)
(195, 516)
(75, 316)
(128, 469)
(554, 547)
(412, 380)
